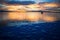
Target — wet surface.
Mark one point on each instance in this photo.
(15, 30)
(30, 16)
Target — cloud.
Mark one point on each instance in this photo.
(37, 1)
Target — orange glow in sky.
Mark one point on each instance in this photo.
(50, 5)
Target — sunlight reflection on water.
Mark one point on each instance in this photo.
(30, 16)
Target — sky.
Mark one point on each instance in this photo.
(39, 0)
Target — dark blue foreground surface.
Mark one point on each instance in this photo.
(40, 31)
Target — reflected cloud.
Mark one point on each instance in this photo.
(16, 16)
(33, 16)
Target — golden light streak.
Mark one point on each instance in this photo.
(16, 8)
(49, 18)
(30, 17)
(24, 16)
(33, 6)
(36, 7)
(16, 16)
(33, 16)
(24, 7)
(50, 5)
